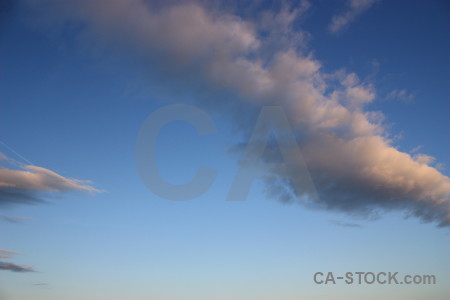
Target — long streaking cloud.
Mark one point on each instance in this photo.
(354, 9)
(348, 151)
(7, 254)
(27, 184)
(15, 219)
(15, 268)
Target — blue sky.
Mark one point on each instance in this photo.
(78, 79)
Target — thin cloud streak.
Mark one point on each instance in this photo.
(354, 9)
(6, 266)
(15, 219)
(27, 184)
(7, 252)
(345, 224)
(402, 95)
(15, 268)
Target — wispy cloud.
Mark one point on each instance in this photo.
(15, 268)
(345, 224)
(6, 254)
(347, 149)
(3, 251)
(15, 219)
(27, 184)
(400, 94)
(3, 157)
(353, 10)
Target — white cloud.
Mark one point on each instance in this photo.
(346, 147)
(24, 185)
(6, 266)
(15, 219)
(15, 268)
(6, 253)
(424, 159)
(354, 9)
(40, 179)
(400, 95)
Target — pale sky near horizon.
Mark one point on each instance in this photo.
(364, 85)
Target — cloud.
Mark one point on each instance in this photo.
(416, 149)
(28, 183)
(400, 95)
(344, 224)
(7, 253)
(424, 159)
(15, 268)
(354, 9)
(15, 219)
(347, 149)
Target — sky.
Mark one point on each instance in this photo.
(223, 149)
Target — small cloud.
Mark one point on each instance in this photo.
(10, 266)
(343, 224)
(27, 183)
(424, 159)
(440, 166)
(416, 149)
(402, 95)
(15, 268)
(40, 284)
(15, 219)
(354, 9)
(7, 252)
